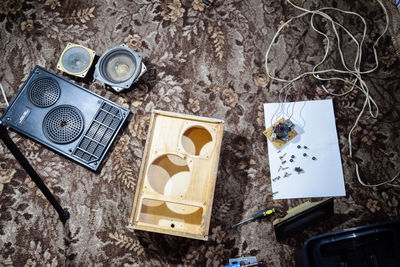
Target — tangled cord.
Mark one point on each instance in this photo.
(355, 72)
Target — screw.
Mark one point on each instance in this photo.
(287, 174)
(276, 178)
(280, 168)
(305, 147)
(313, 158)
(283, 162)
(298, 146)
(292, 156)
(305, 155)
(274, 193)
(285, 168)
(281, 157)
(291, 160)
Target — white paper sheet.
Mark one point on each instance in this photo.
(315, 124)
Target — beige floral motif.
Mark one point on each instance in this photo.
(388, 55)
(124, 171)
(134, 42)
(285, 28)
(6, 173)
(30, 263)
(123, 144)
(138, 128)
(10, 6)
(215, 254)
(198, 5)
(372, 205)
(216, 89)
(194, 255)
(261, 80)
(52, 3)
(218, 234)
(31, 184)
(122, 101)
(138, 95)
(193, 105)
(369, 137)
(30, 145)
(81, 16)
(27, 25)
(218, 40)
(229, 97)
(126, 242)
(172, 10)
(260, 115)
(242, 164)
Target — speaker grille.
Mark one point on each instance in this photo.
(63, 124)
(99, 134)
(44, 92)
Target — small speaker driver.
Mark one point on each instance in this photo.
(119, 67)
(76, 60)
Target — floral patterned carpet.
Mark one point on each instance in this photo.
(201, 60)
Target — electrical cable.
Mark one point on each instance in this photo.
(355, 72)
(4, 95)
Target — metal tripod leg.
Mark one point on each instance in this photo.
(64, 215)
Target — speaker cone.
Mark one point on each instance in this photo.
(76, 60)
(119, 67)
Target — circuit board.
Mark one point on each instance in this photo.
(280, 133)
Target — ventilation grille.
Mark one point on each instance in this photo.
(99, 134)
(63, 124)
(44, 92)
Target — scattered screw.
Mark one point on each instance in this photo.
(291, 160)
(313, 158)
(305, 147)
(281, 157)
(304, 154)
(283, 162)
(285, 168)
(274, 193)
(280, 168)
(292, 156)
(276, 178)
(298, 146)
(287, 174)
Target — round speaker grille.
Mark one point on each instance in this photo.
(119, 66)
(76, 60)
(63, 124)
(44, 92)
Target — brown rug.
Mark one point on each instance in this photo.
(206, 61)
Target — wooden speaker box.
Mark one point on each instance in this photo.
(175, 188)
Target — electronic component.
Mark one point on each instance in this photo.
(281, 132)
(65, 117)
(119, 67)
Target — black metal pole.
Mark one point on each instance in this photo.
(64, 215)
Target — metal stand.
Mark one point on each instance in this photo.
(64, 215)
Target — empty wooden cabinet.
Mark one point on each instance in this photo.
(175, 188)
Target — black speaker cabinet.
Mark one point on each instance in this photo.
(65, 117)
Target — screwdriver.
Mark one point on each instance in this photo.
(261, 214)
